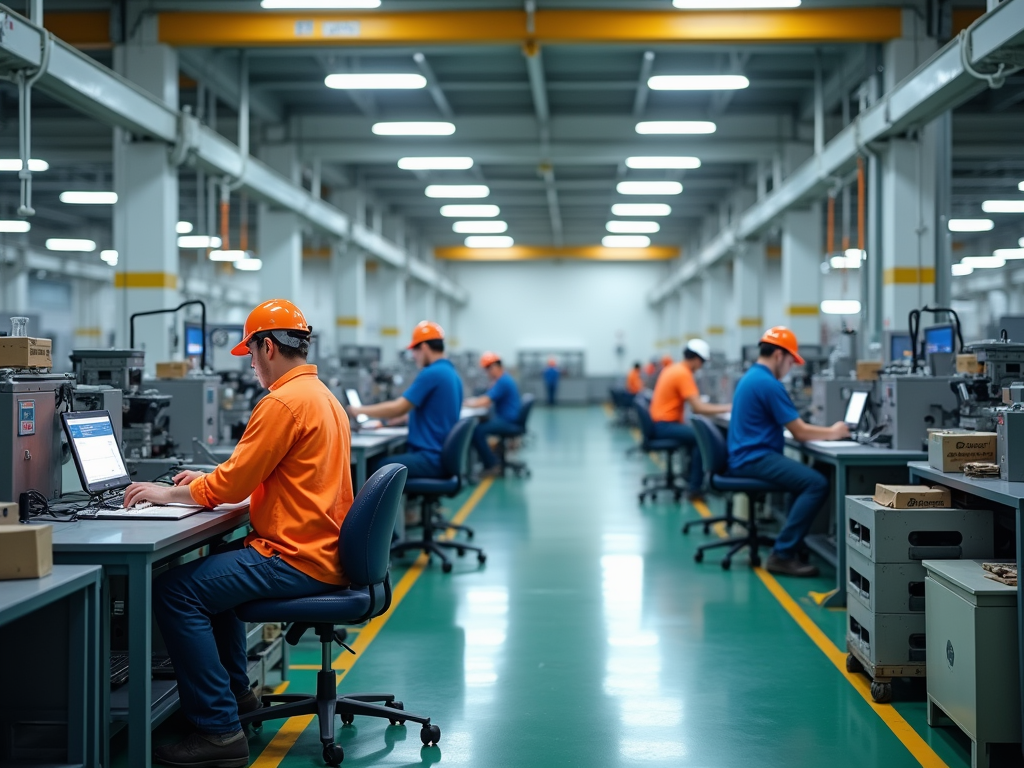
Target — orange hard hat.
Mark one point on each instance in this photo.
(426, 330)
(487, 359)
(552, 362)
(784, 338)
(273, 315)
(666, 361)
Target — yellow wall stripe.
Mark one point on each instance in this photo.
(145, 280)
(750, 322)
(909, 276)
(803, 310)
(349, 322)
(715, 330)
(93, 332)
(389, 331)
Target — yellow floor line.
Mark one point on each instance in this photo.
(293, 727)
(903, 731)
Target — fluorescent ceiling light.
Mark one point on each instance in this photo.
(357, 81)
(435, 163)
(961, 270)
(414, 129)
(198, 241)
(489, 241)
(840, 307)
(983, 262)
(320, 5)
(641, 209)
(970, 225)
(698, 83)
(670, 162)
(233, 255)
(731, 5)
(675, 127)
(625, 241)
(183, 227)
(633, 227)
(15, 226)
(850, 259)
(470, 211)
(88, 198)
(649, 188)
(70, 244)
(1009, 254)
(34, 165)
(1003, 206)
(480, 227)
(458, 190)
(249, 265)
(1019, 186)
(110, 257)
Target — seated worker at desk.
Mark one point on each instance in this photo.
(676, 388)
(503, 398)
(761, 409)
(296, 512)
(551, 377)
(432, 403)
(634, 381)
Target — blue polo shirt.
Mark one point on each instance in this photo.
(436, 395)
(504, 395)
(761, 407)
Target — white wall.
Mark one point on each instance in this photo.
(557, 304)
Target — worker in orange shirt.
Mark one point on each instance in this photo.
(634, 381)
(293, 463)
(666, 361)
(676, 388)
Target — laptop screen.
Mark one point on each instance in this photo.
(353, 398)
(95, 450)
(855, 409)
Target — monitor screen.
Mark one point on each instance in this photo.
(900, 347)
(353, 399)
(855, 409)
(193, 340)
(95, 450)
(938, 340)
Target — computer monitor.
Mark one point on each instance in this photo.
(855, 409)
(938, 340)
(900, 347)
(355, 400)
(95, 450)
(194, 340)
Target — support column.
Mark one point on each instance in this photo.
(147, 211)
(747, 290)
(349, 269)
(392, 317)
(715, 298)
(280, 235)
(430, 302)
(13, 285)
(671, 341)
(691, 323)
(802, 244)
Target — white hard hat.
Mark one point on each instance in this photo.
(700, 347)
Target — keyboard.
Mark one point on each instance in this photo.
(162, 669)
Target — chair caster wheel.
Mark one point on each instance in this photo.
(698, 557)
(430, 735)
(676, 497)
(256, 727)
(686, 530)
(469, 535)
(755, 561)
(707, 529)
(333, 754)
(481, 558)
(460, 552)
(726, 565)
(853, 665)
(446, 567)
(347, 718)
(396, 705)
(881, 692)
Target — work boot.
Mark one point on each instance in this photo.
(789, 566)
(204, 750)
(248, 702)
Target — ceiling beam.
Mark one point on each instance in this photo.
(208, 67)
(535, 252)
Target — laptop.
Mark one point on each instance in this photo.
(102, 471)
(362, 421)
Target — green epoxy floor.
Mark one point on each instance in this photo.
(591, 638)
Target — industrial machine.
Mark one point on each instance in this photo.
(192, 411)
(980, 396)
(911, 405)
(830, 396)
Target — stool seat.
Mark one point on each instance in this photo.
(346, 606)
(729, 483)
(442, 486)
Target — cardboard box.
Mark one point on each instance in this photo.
(8, 513)
(26, 551)
(969, 364)
(949, 451)
(912, 497)
(177, 369)
(25, 352)
(867, 370)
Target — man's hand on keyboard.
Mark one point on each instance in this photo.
(186, 476)
(159, 495)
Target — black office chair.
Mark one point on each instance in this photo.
(430, 491)
(622, 403)
(363, 549)
(715, 453)
(656, 482)
(519, 468)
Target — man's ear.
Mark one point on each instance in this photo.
(270, 350)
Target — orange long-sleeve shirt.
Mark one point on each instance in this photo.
(633, 382)
(293, 460)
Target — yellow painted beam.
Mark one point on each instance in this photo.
(803, 310)
(750, 322)
(909, 276)
(145, 280)
(82, 29)
(535, 252)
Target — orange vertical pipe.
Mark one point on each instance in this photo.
(243, 234)
(860, 204)
(830, 234)
(225, 209)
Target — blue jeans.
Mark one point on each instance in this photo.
(552, 392)
(809, 487)
(493, 426)
(193, 605)
(685, 436)
(420, 463)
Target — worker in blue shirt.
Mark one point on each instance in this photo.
(551, 377)
(503, 399)
(433, 403)
(761, 410)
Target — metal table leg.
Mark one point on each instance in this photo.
(838, 598)
(140, 645)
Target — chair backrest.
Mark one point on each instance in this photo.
(644, 414)
(364, 546)
(525, 406)
(714, 451)
(455, 452)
